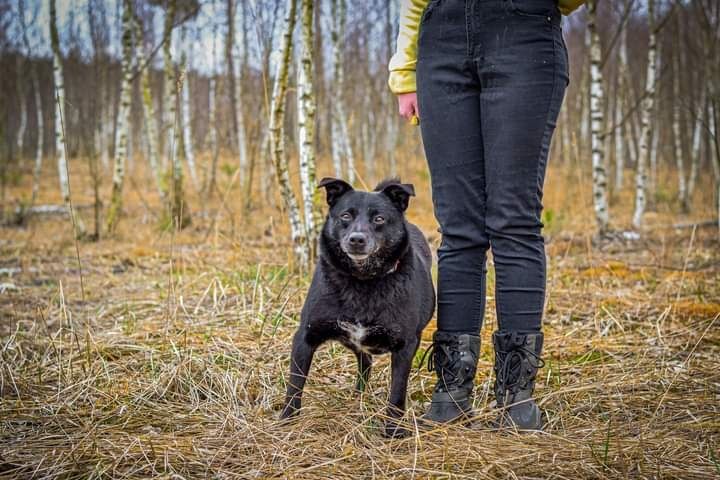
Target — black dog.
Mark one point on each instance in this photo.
(372, 290)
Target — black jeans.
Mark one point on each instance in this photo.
(491, 78)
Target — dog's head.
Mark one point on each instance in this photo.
(366, 228)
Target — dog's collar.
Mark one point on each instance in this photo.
(394, 267)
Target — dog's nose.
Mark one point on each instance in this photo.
(357, 239)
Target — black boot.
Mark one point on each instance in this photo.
(517, 360)
(454, 359)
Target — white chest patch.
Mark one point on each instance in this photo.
(356, 333)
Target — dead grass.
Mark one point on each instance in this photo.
(173, 364)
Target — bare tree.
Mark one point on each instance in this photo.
(233, 82)
(20, 88)
(59, 95)
(123, 122)
(35, 83)
(647, 109)
(277, 116)
(187, 135)
(148, 106)
(306, 126)
(341, 147)
(676, 126)
(597, 97)
(177, 207)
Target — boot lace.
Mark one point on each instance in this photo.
(510, 374)
(443, 358)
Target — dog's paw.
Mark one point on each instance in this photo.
(393, 429)
(289, 412)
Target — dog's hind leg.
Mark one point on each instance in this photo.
(364, 367)
(300, 360)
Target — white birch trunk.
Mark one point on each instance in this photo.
(213, 135)
(336, 143)
(59, 101)
(210, 179)
(677, 133)
(240, 120)
(700, 121)
(277, 116)
(148, 108)
(179, 211)
(37, 168)
(19, 83)
(585, 119)
(306, 128)
(341, 147)
(104, 132)
(169, 86)
(646, 127)
(40, 121)
(187, 137)
(391, 135)
(597, 98)
(655, 132)
(123, 121)
(623, 95)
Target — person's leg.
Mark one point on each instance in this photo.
(449, 107)
(449, 103)
(522, 67)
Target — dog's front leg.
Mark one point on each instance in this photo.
(300, 360)
(401, 362)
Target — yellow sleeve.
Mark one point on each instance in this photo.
(402, 63)
(567, 6)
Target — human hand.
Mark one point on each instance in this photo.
(408, 107)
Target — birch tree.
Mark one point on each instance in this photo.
(60, 147)
(392, 129)
(277, 117)
(697, 130)
(676, 127)
(341, 148)
(35, 85)
(187, 137)
(233, 82)
(177, 207)
(212, 116)
(169, 87)
(597, 96)
(148, 106)
(646, 126)
(621, 146)
(59, 96)
(123, 121)
(20, 87)
(306, 126)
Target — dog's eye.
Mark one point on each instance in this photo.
(346, 216)
(379, 219)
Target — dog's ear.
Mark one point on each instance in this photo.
(334, 189)
(399, 194)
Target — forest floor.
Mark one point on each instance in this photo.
(169, 358)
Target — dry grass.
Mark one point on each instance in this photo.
(173, 363)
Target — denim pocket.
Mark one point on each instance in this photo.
(427, 13)
(533, 8)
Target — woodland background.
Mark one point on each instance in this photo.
(157, 168)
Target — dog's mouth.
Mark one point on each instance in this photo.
(358, 257)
